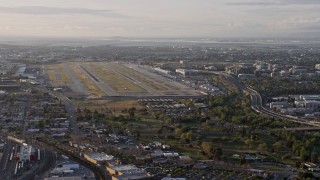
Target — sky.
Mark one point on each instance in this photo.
(160, 18)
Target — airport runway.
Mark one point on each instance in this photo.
(152, 83)
(77, 86)
(102, 85)
(132, 79)
(183, 90)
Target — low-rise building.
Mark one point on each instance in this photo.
(96, 158)
(64, 178)
(25, 152)
(310, 97)
(187, 72)
(122, 172)
(279, 105)
(163, 71)
(246, 76)
(312, 104)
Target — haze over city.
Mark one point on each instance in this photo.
(159, 90)
(166, 18)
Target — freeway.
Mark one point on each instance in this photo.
(8, 161)
(257, 103)
(48, 160)
(9, 168)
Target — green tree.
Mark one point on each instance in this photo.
(217, 152)
(314, 158)
(304, 154)
(262, 147)
(277, 145)
(131, 112)
(207, 148)
(178, 131)
(168, 120)
(249, 142)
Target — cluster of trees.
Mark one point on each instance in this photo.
(305, 145)
(184, 133)
(211, 151)
(87, 114)
(41, 124)
(276, 86)
(131, 112)
(237, 110)
(14, 129)
(221, 80)
(228, 106)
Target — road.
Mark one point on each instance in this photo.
(25, 115)
(71, 109)
(8, 161)
(69, 106)
(257, 103)
(48, 160)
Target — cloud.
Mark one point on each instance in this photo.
(300, 1)
(298, 22)
(253, 4)
(5, 27)
(42, 10)
(275, 3)
(297, 26)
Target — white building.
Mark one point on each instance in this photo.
(187, 72)
(312, 104)
(25, 152)
(310, 97)
(163, 71)
(279, 105)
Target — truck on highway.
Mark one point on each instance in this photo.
(11, 156)
(38, 154)
(16, 168)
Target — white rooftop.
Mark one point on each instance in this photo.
(99, 156)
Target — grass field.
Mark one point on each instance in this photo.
(86, 81)
(115, 81)
(138, 76)
(115, 106)
(58, 75)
